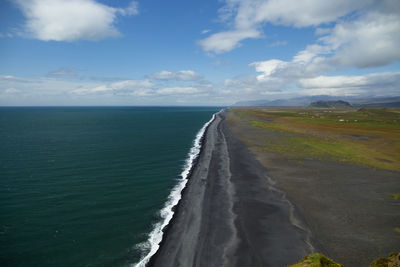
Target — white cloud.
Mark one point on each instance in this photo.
(295, 13)
(226, 41)
(371, 41)
(310, 53)
(133, 87)
(60, 20)
(126, 87)
(183, 75)
(247, 17)
(252, 88)
(368, 38)
(205, 31)
(268, 67)
(54, 91)
(342, 91)
(178, 91)
(391, 79)
(306, 64)
(377, 84)
(333, 82)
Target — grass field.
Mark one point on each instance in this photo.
(365, 136)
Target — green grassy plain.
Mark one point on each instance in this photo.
(365, 136)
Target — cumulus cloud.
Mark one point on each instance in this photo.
(247, 17)
(59, 20)
(364, 32)
(306, 64)
(371, 41)
(306, 73)
(250, 13)
(183, 75)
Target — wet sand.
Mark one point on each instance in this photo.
(231, 213)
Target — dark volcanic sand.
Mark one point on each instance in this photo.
(230, 213)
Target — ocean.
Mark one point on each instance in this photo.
(85, 186)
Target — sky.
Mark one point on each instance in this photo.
(184, 53)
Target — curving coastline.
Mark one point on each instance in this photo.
(171, 206)
(230, 213)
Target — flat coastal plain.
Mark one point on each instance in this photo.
(271, 186)
(339, 168)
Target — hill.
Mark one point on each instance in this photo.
(339, 104)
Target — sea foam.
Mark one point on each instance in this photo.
(155, 237)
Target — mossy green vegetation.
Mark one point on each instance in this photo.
(392, 261)
(365, 136)
(316, 260)
(320, 260)
(396, 196)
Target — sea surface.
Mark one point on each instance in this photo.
(84, 186)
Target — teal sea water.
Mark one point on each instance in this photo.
(85, 186)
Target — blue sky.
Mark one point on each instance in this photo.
(149, 52)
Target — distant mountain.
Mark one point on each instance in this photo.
(383, 102)
(381, 105)
(306, 100)
(291, 102)
(340, 104)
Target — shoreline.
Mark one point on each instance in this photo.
(229, 214)
(176, 208)
(172, 204)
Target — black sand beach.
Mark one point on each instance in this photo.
(230, 213)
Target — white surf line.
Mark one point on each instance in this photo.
(156, 235)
